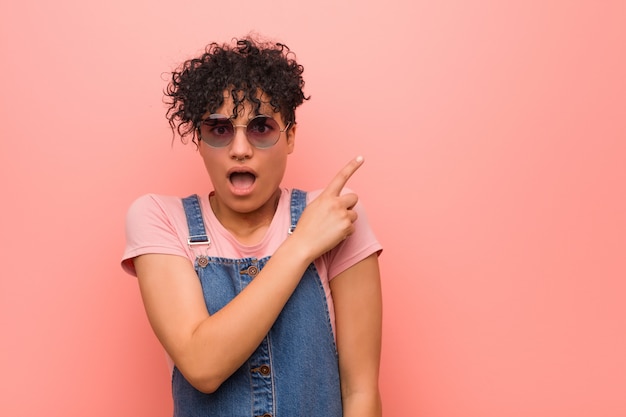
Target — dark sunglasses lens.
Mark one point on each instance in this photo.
(263, 131)
(217, 131)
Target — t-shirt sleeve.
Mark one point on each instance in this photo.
(150, 229)
(358, 246)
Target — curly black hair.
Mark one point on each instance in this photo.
(247, 68)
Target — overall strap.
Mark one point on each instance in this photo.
(197, 231)
(298, 203)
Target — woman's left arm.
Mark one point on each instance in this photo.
(358, 313)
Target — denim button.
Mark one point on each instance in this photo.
(202, 261)
(263, 369)
(253, 270)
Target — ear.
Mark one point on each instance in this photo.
(198, 144)
(202, 148)
(291, 137)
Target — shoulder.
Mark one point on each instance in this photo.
(154, 203)
(155, 208)
(155, 214)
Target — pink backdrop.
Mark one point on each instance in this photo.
(494, 136)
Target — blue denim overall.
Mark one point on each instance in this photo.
(294, 371)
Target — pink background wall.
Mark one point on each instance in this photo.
(494, 136)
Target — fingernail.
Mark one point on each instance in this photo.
(359, 159)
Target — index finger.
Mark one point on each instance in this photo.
(339, 181)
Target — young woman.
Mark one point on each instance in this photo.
(266, 299)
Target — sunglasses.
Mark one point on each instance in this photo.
(218, 131)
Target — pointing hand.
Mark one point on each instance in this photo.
(329, 218)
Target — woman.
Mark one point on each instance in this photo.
(267, 300)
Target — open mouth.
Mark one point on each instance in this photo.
(242, 180)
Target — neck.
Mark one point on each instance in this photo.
(247, 228)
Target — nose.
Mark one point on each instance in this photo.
(240, 148)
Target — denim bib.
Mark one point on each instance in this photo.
(294, 371)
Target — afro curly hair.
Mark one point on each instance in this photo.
(247, 68)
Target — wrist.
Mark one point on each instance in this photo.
(297, 250)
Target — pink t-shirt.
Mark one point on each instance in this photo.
(157, 224)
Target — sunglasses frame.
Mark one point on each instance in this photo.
(221, 117)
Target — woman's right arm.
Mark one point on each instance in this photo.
(207, 349)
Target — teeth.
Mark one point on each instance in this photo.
(241, 173)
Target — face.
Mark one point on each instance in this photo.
(246, 179)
